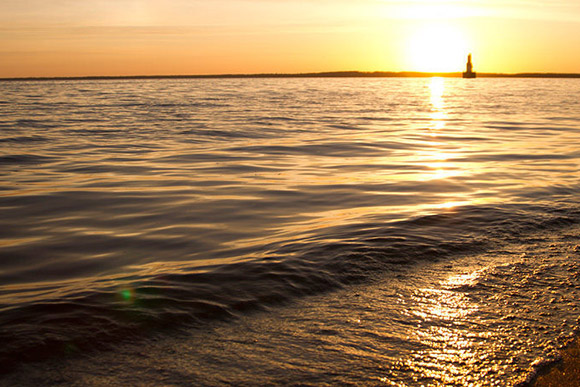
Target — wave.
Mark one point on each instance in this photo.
(54, 322)
(24, 159)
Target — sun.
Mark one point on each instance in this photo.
(437, 47)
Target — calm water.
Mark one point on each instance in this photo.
(288, 231)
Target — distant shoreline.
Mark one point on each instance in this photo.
(335, 74)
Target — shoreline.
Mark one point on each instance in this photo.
(335, 74)
(313, 318)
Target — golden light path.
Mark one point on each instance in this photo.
(435, 157)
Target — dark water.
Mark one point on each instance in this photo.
(387, 231)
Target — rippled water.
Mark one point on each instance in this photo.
(388, 231)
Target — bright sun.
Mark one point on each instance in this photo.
(437, 47)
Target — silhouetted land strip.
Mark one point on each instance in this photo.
(336, 74)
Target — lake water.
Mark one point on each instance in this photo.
(288, 231)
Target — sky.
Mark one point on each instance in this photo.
(45, 38)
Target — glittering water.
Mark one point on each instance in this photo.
(388, 231)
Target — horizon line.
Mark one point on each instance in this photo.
(325, 74)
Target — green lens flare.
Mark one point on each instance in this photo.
(127, 294)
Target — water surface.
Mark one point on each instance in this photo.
(443, 211)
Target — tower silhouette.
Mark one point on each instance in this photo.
(469, 69)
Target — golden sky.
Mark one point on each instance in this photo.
(147, 37)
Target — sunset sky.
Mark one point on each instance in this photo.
(146, 37)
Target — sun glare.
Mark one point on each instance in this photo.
(437, 48)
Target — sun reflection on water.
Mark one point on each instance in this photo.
(437, 87)
(438, 114)
(445, 312)
(437, 155)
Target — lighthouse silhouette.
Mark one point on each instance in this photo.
(469, 69)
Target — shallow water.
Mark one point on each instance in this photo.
(443, 211)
